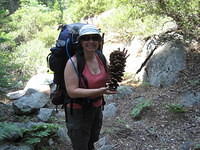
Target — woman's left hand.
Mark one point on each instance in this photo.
(111, 91)
(106, 90)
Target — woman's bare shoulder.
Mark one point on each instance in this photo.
(72, 60)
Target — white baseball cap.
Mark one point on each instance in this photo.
(89, 29)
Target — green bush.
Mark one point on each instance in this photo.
(38, 133)
(128, 24)
(34, 135)
(137, 110)
(7, 130)
(176, 108)
(28, 21)
(85, 8)
(184, 12)
(31, 58)
(8, 71)
(23, 55)
(48, 36)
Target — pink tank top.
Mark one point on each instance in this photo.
(96, 80)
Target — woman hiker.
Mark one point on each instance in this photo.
(85, 79)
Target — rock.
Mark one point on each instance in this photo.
(63, 136)
(190, 99)
(30, 104)
(123, 92)
(163, 68)
(45, 114)
(103, 144)
(110, 110)
(16, 94)
(39, 81)
(186, 145)
(13, 147)
(106, 147)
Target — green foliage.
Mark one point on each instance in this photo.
(7, 130)
(184, 12)
(3, 18)
(28, 3)
(136, 111)
(34, 135)
(176, 108)
(5, 42)
(31, 58)
(85, 8)
(28, 21)
(120, 120)
(7, 72)
(37, 133)
(194, 82)
(10, 5)
(129, 22)
(18, 52)
(48, 36)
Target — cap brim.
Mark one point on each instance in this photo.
(89, 33)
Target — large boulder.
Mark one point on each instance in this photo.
(30, 103)
(37, 83)
(164, 66)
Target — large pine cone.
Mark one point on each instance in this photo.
(116, 68)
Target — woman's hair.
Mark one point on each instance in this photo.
(80, 65)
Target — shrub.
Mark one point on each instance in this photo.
(48, 36)
(28, 21)
(86, 8)
(6, 72)
(31, 58)
(128, 24)
(33, 135)
(137, 110)
(176, 108)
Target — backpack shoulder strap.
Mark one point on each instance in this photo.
(102, 58)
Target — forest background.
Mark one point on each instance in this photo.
(28, 28)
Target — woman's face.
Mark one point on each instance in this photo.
(90, 42)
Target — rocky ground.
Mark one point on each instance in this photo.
(157, 128)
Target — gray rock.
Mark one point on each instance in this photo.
(103, 144)
(106, 147)
(190, 99)
(163, 68)
(44, 114)
(13, 147)
(30, 104)
(123, 92)
(16, 94)
(63, 136)
(110, 110)
(186, 146)
(102, 141)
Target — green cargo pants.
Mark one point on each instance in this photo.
(84, 127)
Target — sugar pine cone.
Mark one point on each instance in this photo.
(116, 68)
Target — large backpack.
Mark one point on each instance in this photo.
(65, 47)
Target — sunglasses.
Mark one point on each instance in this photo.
(91, 37)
